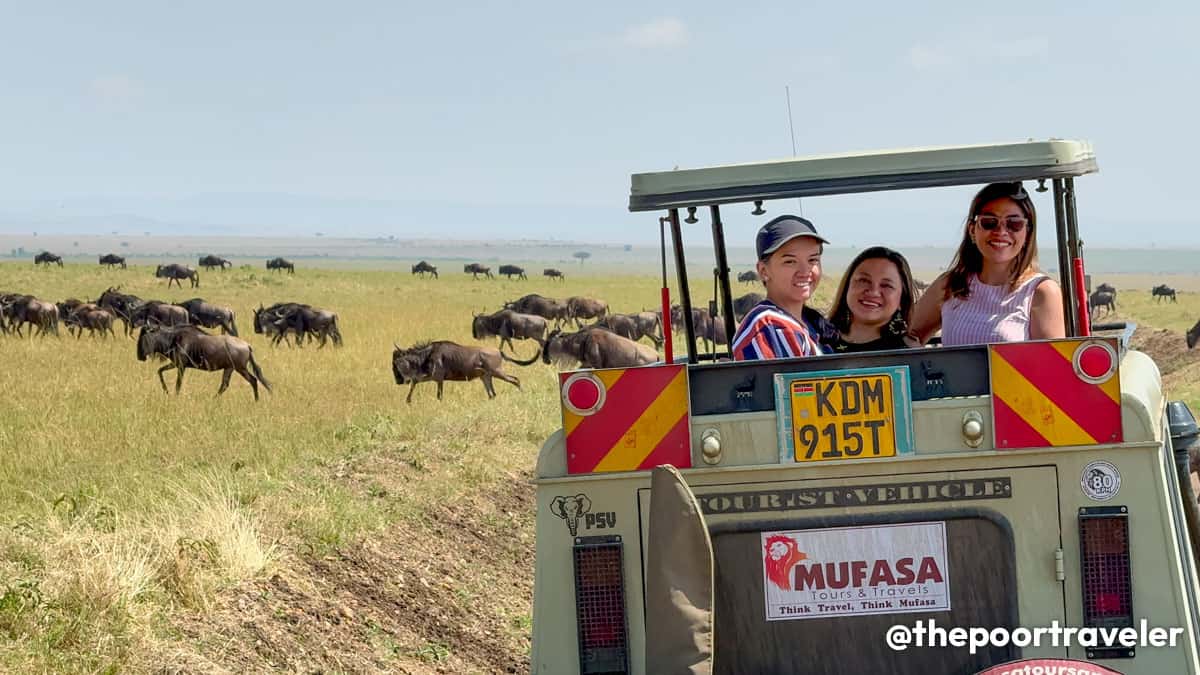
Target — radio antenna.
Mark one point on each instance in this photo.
(792, 130)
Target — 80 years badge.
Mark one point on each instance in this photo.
(1100, 481)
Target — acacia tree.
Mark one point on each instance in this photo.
(582, 255)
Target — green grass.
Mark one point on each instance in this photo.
(122, 504)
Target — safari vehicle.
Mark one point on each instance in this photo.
(819, 501)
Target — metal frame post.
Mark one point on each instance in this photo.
(685, 294)
(1065, 276)
(718, 235)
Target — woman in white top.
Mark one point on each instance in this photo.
(993, 291)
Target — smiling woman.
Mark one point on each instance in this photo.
(874, 303)
(789, 264)
(994, 291)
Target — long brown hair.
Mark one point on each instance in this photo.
(969, 260)
(839, 313)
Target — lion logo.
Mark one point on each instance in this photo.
(571, 509)
(779, 557)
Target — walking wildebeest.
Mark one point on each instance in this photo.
(597, 348)
(579, 307)
(422, 268)
(155, 312)
(475, 269)
(1192, 334)
(46, 258)
(279, 264)
(91, 318)
(1163, 291)
(1102, 299)
(511, 271)
(189, 347)
(632, 326)
(553, 274)
(174, 272)
(208, 262)
(540, 305)
(748, 277)
(443, 360)
(508, 326)
(303, 320)
(121, 305)
(22, 309)
(112, 260)
(208, 315)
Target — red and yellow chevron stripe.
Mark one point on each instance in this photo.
(626, 419)
(1055, 393)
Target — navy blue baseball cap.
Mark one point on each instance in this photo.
(781, 230)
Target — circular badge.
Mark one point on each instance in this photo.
(1094, 361)
(1100, 481)
(583, 394)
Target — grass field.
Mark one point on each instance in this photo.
(327, 526)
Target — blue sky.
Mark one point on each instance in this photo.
(474, 120)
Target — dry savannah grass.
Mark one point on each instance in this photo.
(328, 527)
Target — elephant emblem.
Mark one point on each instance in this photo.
(571, 509)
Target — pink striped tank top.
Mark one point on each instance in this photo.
(990, 314)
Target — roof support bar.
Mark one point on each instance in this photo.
(1065, 277)
(685, 294)
(718, 234)
(1074, 246)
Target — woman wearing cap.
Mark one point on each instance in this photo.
(873, 306)
(782, 326)
(993, 291)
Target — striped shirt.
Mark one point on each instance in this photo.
(990, 314)
(770, 332)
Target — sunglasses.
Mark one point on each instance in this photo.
(1012, 223)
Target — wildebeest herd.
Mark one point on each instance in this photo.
(577, 331)
(173, 331)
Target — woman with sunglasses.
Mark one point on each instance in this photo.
(993, 291)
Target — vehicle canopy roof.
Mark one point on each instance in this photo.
(861, 172)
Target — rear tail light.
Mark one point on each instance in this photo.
(600, 606)
(1107, 578)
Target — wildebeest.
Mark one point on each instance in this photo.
(155, 312)
(1192, 334)
(1107, 288)
(511, 271)
(90, 318)
(443, 360)
(20, 309)
(300, 319)
(422, 268)
(707, 327)
(279, 264)
(508, 326)
(597, 348)
(742, 305)
(112, 260)
(121, 305)
(1105, 299)
(189, 347)
(475, 269)
(208, 262)
(633, 326)
(205, 314)
(46, 258)
(1162, 292)
(748, 277)
(579, 307)
(174, 272)
(540, 305)
(554, 274)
